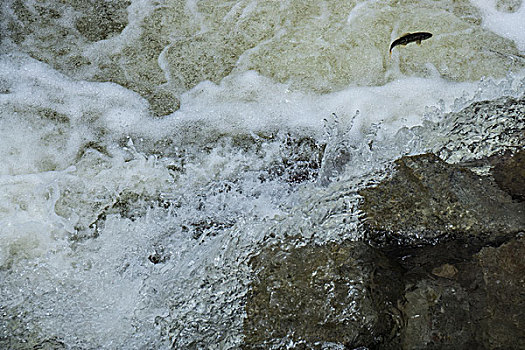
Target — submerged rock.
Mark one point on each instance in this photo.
(427, 201)
(313, 297)
(509, 6)
(160, 52)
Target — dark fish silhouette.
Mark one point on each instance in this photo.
(410, 38)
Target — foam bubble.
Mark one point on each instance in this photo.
(510, 25)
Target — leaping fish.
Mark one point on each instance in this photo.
(410, 38)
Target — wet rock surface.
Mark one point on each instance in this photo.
(481, 131)
(503, 273)
(316, 295)
(509, 173)
(441, 267)
(477, 304)
(460, 242)
(428, 200)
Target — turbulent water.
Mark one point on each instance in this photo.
(148, 148)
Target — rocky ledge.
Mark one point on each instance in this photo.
(441, 267)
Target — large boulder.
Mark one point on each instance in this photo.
(503, 271)
(317, 296)
(459, 238)
(440, 268)
(427, 201)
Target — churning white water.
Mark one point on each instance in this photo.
(149, 147)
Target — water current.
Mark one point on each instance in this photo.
(149, 147)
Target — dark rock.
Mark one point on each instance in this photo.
(509, 173)
(351, 295)
(313, 296)
(445, 269)
(300, 160)
(503, 272)
(507, 169)
(428, 201)
(480, 306)
(508, 6)
(438, 316)
(447, 228)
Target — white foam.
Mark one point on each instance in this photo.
(508, 25)
(29, 225)
(47, 117)
(248, 102)
(357, 10)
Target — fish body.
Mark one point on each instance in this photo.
(410, 38)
